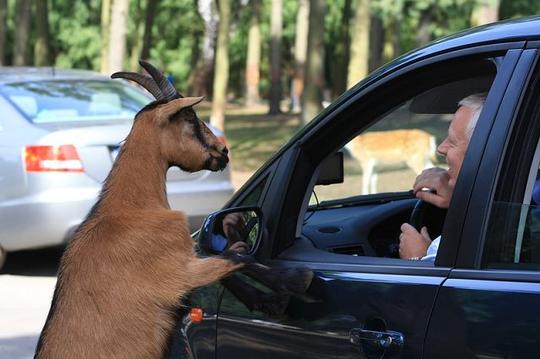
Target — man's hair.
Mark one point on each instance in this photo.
(476, 103)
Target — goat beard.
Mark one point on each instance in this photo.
(220, 162)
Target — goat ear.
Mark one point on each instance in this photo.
(170, 108)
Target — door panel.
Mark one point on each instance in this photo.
(319, 324)
(485, 319)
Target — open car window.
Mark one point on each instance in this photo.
(383, 154)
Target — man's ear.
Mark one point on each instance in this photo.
(165, 111)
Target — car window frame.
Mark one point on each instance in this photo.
(513, 160)
(361, 94)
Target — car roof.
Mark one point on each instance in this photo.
(27, 74)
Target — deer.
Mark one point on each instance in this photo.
(415, 147)
(132, 260)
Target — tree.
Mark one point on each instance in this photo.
(221, 73)
(201, 75)
(136, 42)
(253, 55)
(485, 12)
(41, 47)
(117, 44)
(423, 36)
(300, 51)
(337, 45)
(314, 81)
(276, 25)
(3, 31)
(376, 42)
(105, 35)
(359, 63)
(22, 35)
(151, 6)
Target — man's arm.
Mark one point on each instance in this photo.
(414, 244)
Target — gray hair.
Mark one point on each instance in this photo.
(476, 103)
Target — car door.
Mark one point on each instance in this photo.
(357, 305)
(488, 307)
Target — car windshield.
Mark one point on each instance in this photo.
(75, 100)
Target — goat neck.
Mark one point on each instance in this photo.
(138, 177)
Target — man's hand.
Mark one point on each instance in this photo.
(233, 226)
(240, 247)
(413, 244)
(435, 179)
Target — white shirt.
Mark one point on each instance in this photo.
(432, 250)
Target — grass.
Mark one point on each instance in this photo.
(254, 136)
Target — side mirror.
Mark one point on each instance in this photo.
(238, 229)
(331, 170)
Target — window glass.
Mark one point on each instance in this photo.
(252, 199)
(389, 155)
(74, 101)
(513, 236)
(364, 215)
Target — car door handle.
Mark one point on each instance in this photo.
(387, 340)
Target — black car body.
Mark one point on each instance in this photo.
(479, 298)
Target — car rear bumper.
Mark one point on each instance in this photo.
(49, 218)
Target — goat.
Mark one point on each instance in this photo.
(413, 146)
(132, 259)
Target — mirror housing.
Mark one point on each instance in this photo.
(239, 229)
(331, 170)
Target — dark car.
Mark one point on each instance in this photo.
(481, 296)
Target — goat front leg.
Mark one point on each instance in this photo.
(295, 280)
(205, 271)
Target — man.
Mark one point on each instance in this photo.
(418, 245)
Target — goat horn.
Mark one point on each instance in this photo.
(167, 88)
(145, 81)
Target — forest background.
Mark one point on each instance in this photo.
(266, 66)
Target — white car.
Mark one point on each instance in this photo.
(60, 131)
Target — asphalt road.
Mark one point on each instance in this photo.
(26, 287)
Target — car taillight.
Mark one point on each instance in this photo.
(61, 158)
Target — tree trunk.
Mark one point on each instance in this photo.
(22, 35)
(151, 7)
(105, 35)
(341, 56)
(359, 63)
(392, 41)
(221, 73)
(3, 31)
(276, 24)
(253, 55)
(376, 42)
(485, 12)
(300, 51)
(136, 46)
(117, 44)
(41, 47)
(275, 57)
(201, 76)
(423, 36)
(314, 80)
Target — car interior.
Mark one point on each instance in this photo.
(350, 226)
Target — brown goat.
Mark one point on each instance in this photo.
(132, 260)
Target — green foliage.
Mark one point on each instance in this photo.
(518, 8)
(75, 29)
(75, 33)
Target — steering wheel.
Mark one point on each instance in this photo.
(417, 220)
(418, 213)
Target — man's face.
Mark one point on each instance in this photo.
(455, 144)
